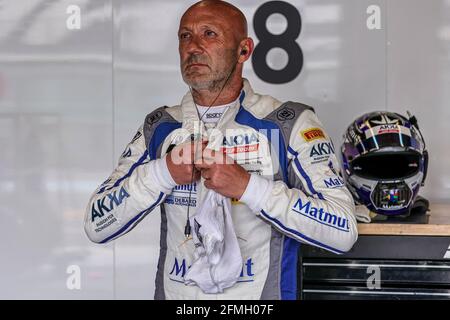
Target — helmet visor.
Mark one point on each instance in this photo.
(386, 165)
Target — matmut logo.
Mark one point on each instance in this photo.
(180, 267)
(240, 143)
(319, 215)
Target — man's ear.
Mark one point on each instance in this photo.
(246, 49)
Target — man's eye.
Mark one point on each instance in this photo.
(184, 36)
(210, 33)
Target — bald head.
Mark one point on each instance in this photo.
(213, 46)
(235, 18)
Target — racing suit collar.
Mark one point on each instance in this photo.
(190, 114)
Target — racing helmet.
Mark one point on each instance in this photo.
(384, 161)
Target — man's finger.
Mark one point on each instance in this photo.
(202, 165)
(206, 173)
(206, 157)
(197, 175)
(209, 184)
(204, 144)
(216, 157)
(199, 146)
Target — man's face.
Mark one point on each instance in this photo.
(208, 48)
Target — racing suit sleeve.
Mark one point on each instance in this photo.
(135, 187)
(317, 208)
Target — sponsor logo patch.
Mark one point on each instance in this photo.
(180, 201)
(243, 149)
(335, 182)
(312, 134)
(154, 117)
(108, 203)
(105, 223)
(388, 128)
(285, 114)
(321, 216)
(214, 115)
(180, 267)
(321, 152)
(241, 143)
(180, 195)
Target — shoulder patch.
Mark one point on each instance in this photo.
(153, 117)
(153, 121)
(285, 113)
(312, 134)
(284, 117)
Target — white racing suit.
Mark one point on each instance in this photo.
(295, 194)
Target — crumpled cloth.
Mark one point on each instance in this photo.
(363, 214)
(217, 257)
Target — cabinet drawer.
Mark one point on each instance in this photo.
(391, 273)
(363, 293)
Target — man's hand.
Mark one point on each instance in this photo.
(222, 174)
(180, 161)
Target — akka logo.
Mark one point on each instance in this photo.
(99, 208)
(180, 268)
(388, 128)
(318, 214)
(313, 134)
(240, 143)
(320, 149)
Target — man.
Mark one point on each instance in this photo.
(282, 177)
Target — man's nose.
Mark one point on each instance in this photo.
(194, 46)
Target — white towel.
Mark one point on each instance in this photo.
(363, 214)
(217, 258)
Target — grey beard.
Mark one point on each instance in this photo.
(217, 84)
(212, 85)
